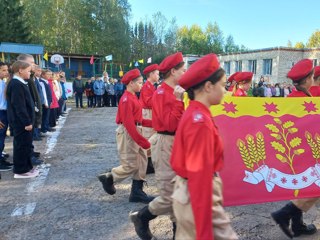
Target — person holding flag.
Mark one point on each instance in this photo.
(315, 89)
(243, 83)
(232, 82)
(301, 75)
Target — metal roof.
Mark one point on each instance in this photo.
(21, 48)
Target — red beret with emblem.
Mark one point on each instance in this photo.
(243, 76)
(199, 71)
(131, 75)
(150, 68)
(300, 70)
(231, 78)
(316, 71)
(170, 62)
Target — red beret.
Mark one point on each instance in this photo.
(150, 68)
(170, 62)
(316, 71)
(200, 71)
(131, 75)
(231, 78)
(300, 70)
(243, 76)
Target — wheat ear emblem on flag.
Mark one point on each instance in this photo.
(287, 147)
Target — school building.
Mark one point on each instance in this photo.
(272, 63)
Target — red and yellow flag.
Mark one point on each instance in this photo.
(272, 148)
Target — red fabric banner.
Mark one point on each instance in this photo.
(272, 148)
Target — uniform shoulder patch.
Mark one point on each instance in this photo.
(197, 117)
(160, 91)
(125, 99)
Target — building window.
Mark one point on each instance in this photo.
(238, 66)
(315, 62)
(267, 66)
(227, 67)
(253, 66)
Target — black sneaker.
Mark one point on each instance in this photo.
(5, 163)
(36, 154)
(4, 168)
(6, 155)
(35, 161)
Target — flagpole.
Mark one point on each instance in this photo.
(111, 72)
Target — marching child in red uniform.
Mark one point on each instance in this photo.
(232, 82)
(301, 75)
(243, 84)
(315, 89)
(130, 142)
(197, 157)
(167, 109)
(146, 93)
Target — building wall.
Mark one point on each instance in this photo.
(282, 61)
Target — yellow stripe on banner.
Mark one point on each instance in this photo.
(276, 107)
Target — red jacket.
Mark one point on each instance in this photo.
(129, 114)
(166, 109)
(296, 93)
(240, 93)
(315, 91)
(146, 94)
(197, 153)
(54, 103)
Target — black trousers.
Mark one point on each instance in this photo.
(99, 98)
(79, 100)
(22, 151)
(53, 117)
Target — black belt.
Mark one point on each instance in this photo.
(167, 133)
(215, 174)
(137, 124)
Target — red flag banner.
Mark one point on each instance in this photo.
(272, 148)
(91, 60)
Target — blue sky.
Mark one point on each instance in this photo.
(253, 23)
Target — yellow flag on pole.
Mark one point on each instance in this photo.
(45, 57)
(140, 61)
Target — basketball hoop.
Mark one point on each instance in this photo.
(57, 59)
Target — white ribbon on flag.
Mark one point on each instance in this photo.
(272, 177)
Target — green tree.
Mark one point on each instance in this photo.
(230, 46)
(299, 45)
(314, 40)
(13, 23)
(215, 40)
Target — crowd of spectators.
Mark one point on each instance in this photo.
(31, 102)
(101, 91)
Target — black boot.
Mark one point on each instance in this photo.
(283, 216)
(141, 220)
(150, 168)
(137, 194)
(174, 229)
(299, 227)
(107, 182)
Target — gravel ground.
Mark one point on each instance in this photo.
(68, 202)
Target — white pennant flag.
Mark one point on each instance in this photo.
(149, 60)
(109, 58)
